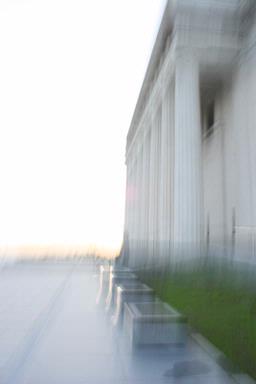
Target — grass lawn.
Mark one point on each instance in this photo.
(221, 306)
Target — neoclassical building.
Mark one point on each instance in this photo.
(191, 146)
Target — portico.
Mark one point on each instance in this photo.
(180, 115)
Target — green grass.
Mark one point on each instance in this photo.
(220, 303)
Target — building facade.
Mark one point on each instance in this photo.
(191, 146)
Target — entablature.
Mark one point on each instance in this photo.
(211, 29)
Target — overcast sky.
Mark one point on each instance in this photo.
(70, 74)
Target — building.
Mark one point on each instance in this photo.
(191, 146)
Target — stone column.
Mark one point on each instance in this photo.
(132, 209)
(142, 200)
(153, 190)
(136, 209)
(187, 173)
(145, 197)
(127, 199)
(124, 256)
(139, 203)
(166, 174)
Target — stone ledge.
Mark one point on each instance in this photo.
(242, 378)
(222, 360)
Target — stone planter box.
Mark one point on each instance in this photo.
(117, 278)
(130, 292)
(105, 271)
(119, 269)
(103, 283)
(154, 323)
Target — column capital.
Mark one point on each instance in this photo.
(184, 55)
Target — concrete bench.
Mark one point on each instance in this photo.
(130, 292)
(154, 323)
(117, 278)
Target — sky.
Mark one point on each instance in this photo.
(70, 75)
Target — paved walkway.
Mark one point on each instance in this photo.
(51, 332)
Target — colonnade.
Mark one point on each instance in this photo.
(163, 197)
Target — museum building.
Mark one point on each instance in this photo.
(191, 145)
